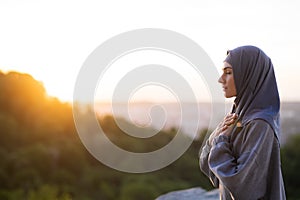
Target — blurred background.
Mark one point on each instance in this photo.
(45, 43)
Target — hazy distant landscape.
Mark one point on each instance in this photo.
(141, 114)
(290, 119)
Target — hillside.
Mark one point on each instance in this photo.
(42, 156)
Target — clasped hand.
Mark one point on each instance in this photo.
(224, 127)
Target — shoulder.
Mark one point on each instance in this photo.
(256, 130)
(258, 124)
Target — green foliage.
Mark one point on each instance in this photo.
(47, 192)
(139, 187)
(129, 143)
(42, 157)
(290, 154)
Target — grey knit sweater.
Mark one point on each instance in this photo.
(245, 165)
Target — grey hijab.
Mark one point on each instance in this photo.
(257, 93)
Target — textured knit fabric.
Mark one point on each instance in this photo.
(245, 166)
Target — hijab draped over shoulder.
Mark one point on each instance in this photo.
(257, 93)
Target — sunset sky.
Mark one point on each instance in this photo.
(51, 39)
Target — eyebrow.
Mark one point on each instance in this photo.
(226, 68)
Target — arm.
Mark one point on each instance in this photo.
(204, 154)
(244, 175)
(203, 161)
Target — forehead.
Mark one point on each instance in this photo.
(226, 65)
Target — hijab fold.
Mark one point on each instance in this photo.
(257, 93)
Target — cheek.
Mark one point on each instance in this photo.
(231, 82)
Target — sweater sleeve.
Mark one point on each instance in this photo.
(203, 161)
(244, 173)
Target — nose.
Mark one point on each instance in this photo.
(221, 80)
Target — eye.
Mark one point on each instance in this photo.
(227, 72)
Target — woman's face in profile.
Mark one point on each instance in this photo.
(227, 81)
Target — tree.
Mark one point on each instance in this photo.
(291, 165)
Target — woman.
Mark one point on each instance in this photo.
(242, 156)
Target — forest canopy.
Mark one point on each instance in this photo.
(42, 156)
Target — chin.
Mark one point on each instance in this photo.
(228, 95)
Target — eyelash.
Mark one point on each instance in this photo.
(227, 72)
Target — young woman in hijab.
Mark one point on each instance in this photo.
(242, 156)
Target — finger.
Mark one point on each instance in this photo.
(224, 128)
(230, 121)
(235, 116)
(232, 118)
(228, 116)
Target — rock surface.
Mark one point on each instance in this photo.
(191, 194)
